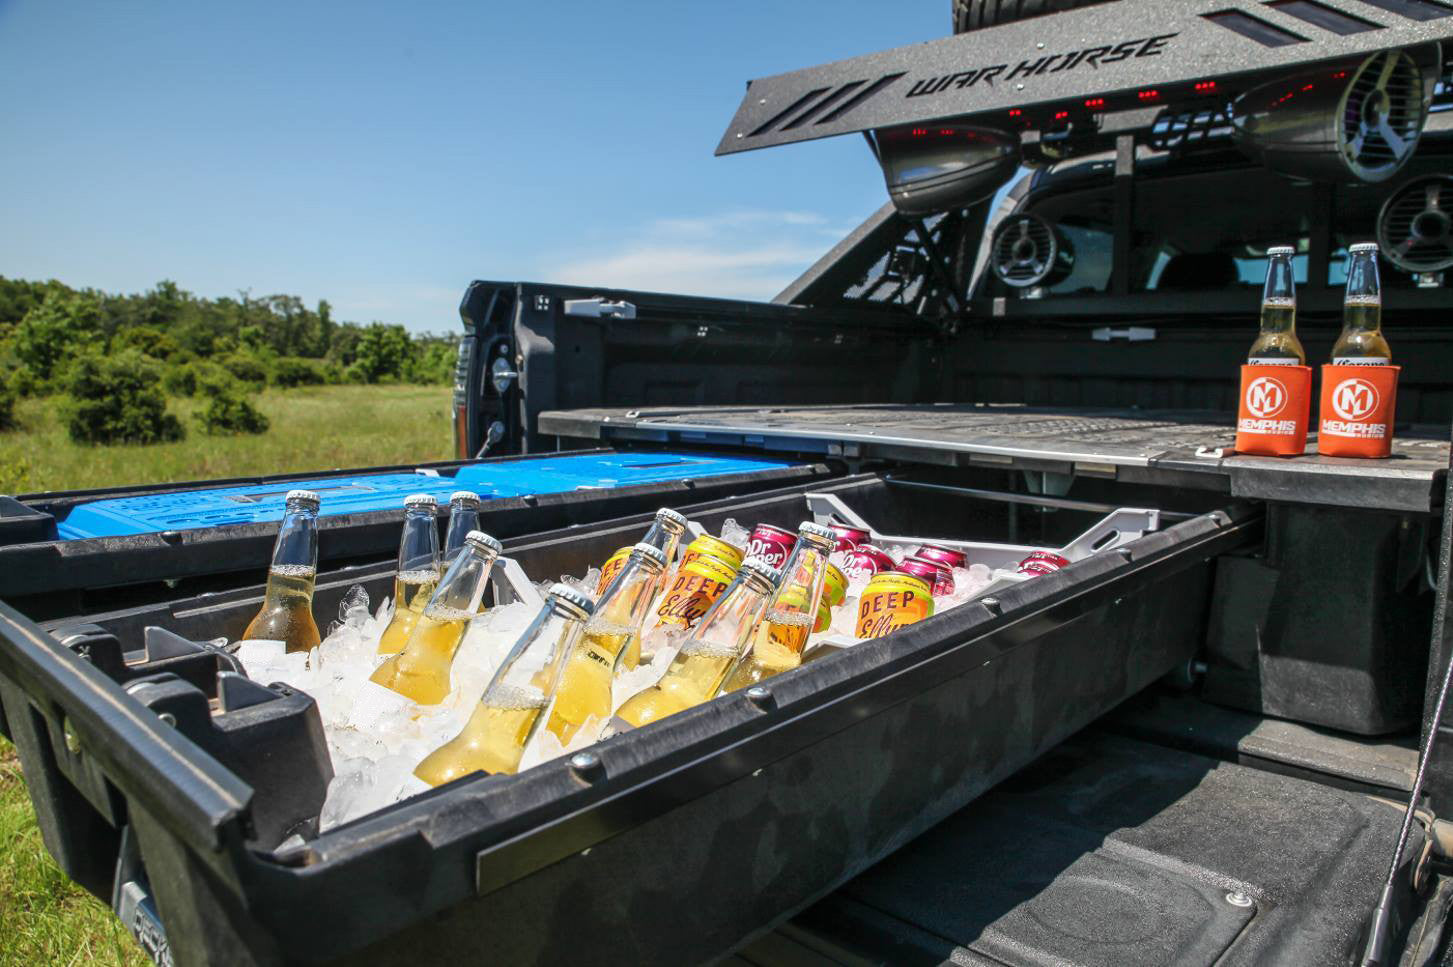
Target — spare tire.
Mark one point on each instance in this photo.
(973, 14)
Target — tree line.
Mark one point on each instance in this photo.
(84, 344)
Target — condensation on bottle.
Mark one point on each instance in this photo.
(421, 671)
(418, 571)
(287, 604)
(515, 702)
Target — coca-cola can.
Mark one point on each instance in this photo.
(865, 560)
(1042, 562)
(848, 537)
(939, 575)
(771, 544)
(947, 555)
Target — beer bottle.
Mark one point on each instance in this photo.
(781, 635)
(614, 630)
(287, 603)
(697, 671)
(1362, 342)
(421, 670)
(418, 573)
(463, 518)
(664, 533)
(1277, 344)
(512, 707)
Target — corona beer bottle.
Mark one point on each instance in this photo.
(1362, 342)
(614, 629)
(287, 603)
(697, 671)
(781, 635)
(513, 705)
(463, 518)
(421, 670)
(1277, 344)
(418, 573)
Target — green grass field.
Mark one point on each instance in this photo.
(313, 428)
(44, 918)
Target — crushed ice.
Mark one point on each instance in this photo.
(376, 737)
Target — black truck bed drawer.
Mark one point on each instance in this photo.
(673, 843)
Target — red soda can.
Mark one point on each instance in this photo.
(947, 555)
(865, 560)
(1042, 562)
(938, 574)
(771, 544)
(848, 537)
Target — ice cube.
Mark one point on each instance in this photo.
(643, 676)
(259, 653)
(735, 534)
(374, 706)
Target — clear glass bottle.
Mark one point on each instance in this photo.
(421, 670)
(418, 573)
(719, 639)
(1277, 343)
(780, 637)
(463, 518)
(513, 705)
(615, 628)
(1361, 342)
(287, 603)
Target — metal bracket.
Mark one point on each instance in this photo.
(511, 584)
(600, 309)
(1129, 334)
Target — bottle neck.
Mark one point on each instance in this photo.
(462, 520)
(731, 618)
(629, 595)
(665, 535)
(462, 587)
(802, 577)
(549, 638)
(297, 540)
(419, 544)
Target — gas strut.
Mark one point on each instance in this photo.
(1379, 932)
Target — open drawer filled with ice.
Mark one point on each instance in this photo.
(769, 727)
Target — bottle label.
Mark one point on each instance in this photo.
(1272, 361)
(1360, 361)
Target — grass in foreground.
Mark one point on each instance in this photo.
(46, 918)
(313, 428)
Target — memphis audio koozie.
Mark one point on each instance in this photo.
(1357, 411)
(1271, 417)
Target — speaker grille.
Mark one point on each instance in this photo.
(1024, 251)
(1415, 226)
(1382, 115)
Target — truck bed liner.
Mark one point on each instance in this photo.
(1131, 445)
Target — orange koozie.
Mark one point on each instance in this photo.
(1272, 416)
(1358, 404)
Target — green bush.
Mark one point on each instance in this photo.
(179, 380)
(118, 399)
(7, 406)
(247, 368)
(228, 410)
(289, 371)
(355, 375)
(52, 334)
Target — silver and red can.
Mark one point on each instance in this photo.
(771, 544)
(1042, 562)
(938, 574)
(848, 537)
(865, 560)
(947, 555)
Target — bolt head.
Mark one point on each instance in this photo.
(1239, 899)
(759, 694)
(584, 761)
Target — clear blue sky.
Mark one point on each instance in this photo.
(381, 155)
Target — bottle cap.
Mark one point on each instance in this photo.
(421, 500)
(651, 553)
(482, 541)
(1281, 250)
(1362, 247)
(668, 516)
(808, 529)
(304, 497)
(762, 570)
(573, 597)
(464, 498)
